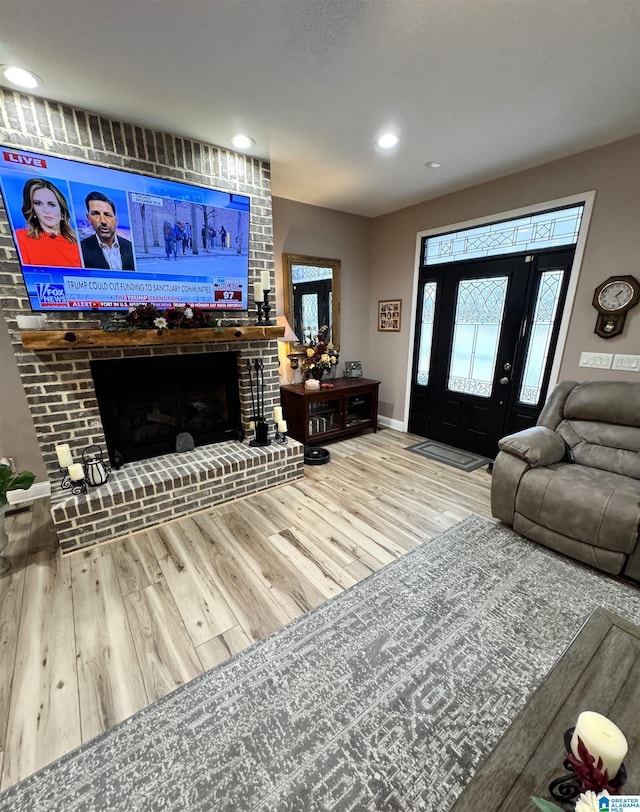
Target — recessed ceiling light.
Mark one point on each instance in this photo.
(20, 77)
(241, 141)
(387, 140)
(432, 165)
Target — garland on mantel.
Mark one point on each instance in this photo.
(149, 317)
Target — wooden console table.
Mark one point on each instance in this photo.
(599, 671)
(314, 416)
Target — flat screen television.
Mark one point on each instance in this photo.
(93, 238)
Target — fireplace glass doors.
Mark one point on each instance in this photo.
(146, 402)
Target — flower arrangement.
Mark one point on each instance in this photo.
(147, 316)
(321, 355)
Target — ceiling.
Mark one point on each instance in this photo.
(484, 87)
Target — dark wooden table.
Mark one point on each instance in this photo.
(599, 671)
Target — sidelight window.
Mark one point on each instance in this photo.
(426, 333)
(540, 334)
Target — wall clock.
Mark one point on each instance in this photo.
(613, 299)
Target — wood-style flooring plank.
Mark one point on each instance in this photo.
(222, 647)
(44, 719)
(203, 607)
(289, 586)
(365, 538)
(363, 567)
(110, 682)
(161, 640)
(257, 611)
(136, 564)
(308, 558)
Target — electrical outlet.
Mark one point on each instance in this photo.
(596, 360)
(628, 363)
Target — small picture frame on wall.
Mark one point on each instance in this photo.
(389, 315)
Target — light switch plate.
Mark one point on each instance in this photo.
(629, 363)
(596, 360)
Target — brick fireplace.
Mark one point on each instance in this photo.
(58, 382)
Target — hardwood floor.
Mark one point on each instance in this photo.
(90, 639)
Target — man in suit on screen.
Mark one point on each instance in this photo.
(105, 249)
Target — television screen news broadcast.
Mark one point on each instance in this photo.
(93, 238)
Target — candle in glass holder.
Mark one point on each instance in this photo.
(63, 453)
(602, 739)
(76, 472)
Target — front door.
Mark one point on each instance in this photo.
(492, 324)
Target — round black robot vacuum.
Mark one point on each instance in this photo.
(316, 456)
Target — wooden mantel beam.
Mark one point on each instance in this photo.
(88, 339)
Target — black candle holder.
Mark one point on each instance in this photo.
(259, 311)
(66, 480)
(568, 787)
(266, 307)
(78, 486)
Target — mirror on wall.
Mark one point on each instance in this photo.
(312, 295)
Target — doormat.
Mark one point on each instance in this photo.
(456, 457)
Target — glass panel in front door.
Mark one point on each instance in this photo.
(479, 311)
(540, 336)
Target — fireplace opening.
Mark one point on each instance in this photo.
(146, 402)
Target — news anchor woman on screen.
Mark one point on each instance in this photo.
(48, 238)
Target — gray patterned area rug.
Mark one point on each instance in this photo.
(447, 454)
(385, 698)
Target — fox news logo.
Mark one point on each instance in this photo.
(25, 160)
(50, 293)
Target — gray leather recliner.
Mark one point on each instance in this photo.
(572, 482)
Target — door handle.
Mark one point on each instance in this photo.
(504, 380)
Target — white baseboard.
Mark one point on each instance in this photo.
(37, 491)
(390, 423)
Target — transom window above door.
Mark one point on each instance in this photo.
(532, 233)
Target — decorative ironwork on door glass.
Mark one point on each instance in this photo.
(531, 233)
(479, 312)
(426, 333)
(544, 317)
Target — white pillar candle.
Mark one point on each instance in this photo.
(252, 425)
(602, 739)
(265, 281)
(258, 293)
(63, 453)
(76, 471)
(277, 413)
(282, 426)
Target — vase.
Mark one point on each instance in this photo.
(317, 373)
(4, 540)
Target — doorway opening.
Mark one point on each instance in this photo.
(490, 305)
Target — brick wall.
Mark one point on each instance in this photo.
(58, 385)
